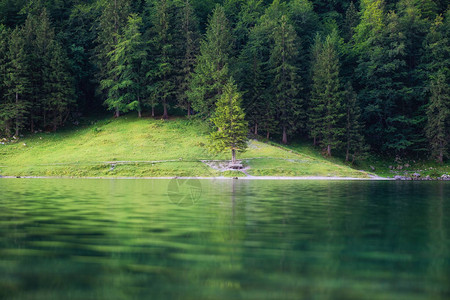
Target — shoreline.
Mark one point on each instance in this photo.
(319, 178)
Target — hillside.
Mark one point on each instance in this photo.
(149, 148)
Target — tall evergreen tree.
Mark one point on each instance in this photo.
(187, 45)
(438, 113)
(211, 72)
(59, 85)
(163, 72)
(18, 82)
(381, 76)
(129, 58)
(286, 83)
(111, 23)
(326, 109)
(229, 119)
(354, 138)
(4, 42)
(350, 22)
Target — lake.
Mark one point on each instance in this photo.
(224, 239)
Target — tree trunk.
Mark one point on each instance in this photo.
(315, 142)
(189, 109)
(284, 141)
(268, 134)
(139, 108)
(347, 154)
(117, 113)
(17, 117)
(153, 111)
(8, 128)
(329, 150)
(165, 115)
(233, 156)
(256, 128)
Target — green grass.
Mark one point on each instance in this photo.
(150, 148)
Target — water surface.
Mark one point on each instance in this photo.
(161, 239)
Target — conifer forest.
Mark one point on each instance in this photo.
(351, 77)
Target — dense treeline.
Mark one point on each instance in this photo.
(347, 75)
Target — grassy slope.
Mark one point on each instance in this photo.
(143, 144)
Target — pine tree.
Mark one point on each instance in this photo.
(381, 76)
(163, 72)
(229, 119)
(187, 46)
(129, 57)
(59, 85)
(351, 21)
(438, 113)
(326, 104)
(354, 138)
(254, 78)
(211, 72)
(18, 83)
(39, 34)
(4, 41)
(286, 83)
(111, 23)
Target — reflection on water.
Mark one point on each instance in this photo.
(127, 239)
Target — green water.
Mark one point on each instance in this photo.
(156, 239)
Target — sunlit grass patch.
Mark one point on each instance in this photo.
(132, 147)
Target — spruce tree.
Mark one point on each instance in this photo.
(351, 21)
(129, 59)
(163, 53)
(111, 23)
(381, 75)
(286, 82)
(18, 84)
(229, 119)
(326, 107)
(354, 138)
(59, 85)
(4, 41)
(187, 47)
(438, 113)
(211, 72)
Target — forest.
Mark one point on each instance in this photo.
(352, 77)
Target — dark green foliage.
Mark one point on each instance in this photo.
(229, 120)
(129, 59)
(286, 82)
(163, 53)
(61, 58)
(326, 107)
(60, 94)
(438, 113)
(211, 73)
(355, 146)
(187, 47)
(17, 85)
(382, 74)
(112, 21)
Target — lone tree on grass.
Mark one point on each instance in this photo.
(229, 118)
